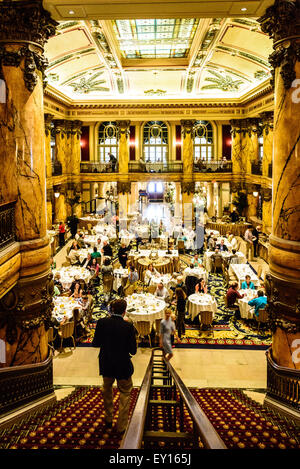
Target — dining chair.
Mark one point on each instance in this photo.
(205, 318)
(263, 317)
(143, 329)
(66, 331)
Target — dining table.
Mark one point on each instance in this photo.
(198, 302)
(64, 306)
(246, 311)
(207, 258)
(120, 278)
(145, 307)
(198, 272)
(68, 274)
(241, 270)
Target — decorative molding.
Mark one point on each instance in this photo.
(266, 194)
(187, 127)
(188, 188)
(267, 121)
(48, 118)
(123, 188)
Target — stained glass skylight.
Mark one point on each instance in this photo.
(155, 38)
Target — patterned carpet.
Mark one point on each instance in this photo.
(227, 331)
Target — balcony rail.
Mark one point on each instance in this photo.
(217, 166)
(256, 168)
(7, 224)
(56, 168)
(97, 167)
(270, 170)
(166, 167)
(283, 384)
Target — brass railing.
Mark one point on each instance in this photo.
(97, 167)
(217, 166)
(20, 385)
(137, 432)
(163, 167)
(7, 224)
(283, 384)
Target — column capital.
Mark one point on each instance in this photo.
(267, 121)
(123, 188)
(187, 126)
(188, 188)
(123, 127)
(48, 118)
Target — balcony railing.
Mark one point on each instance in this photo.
(7, 224)
(167, 167)
(56, 168)
(256, 168)
(97, 167)
(213, 167)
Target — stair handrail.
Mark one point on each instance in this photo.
(134, 434)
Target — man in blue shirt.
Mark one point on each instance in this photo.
(259, 302)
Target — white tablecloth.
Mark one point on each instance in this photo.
(147, 252)
(119, 275)
(166, 280)
(207, 258)
(241, 270)
(213, 232)
(126, 237)
(200, 302)
(108, 230)
(63, 306)
(197, 272)
(68, 274)
(145, 307)
(245, 309)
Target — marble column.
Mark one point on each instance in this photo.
(187, 191)
(250, 143)
(48, 128)
(252, 200)
(50, 197)
(177, 213)
(210, 200)
(123, 129)
(75, 156)
(187, 148)
(220, 201)
(123, 189)
(282, 23)
(268, 136)
(266, 194)
(60, 204)
(60, 132)
(238, 164)
(25, 309)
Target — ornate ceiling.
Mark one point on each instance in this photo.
(173, 58)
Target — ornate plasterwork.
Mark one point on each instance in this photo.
(123, 188)
(188, 188)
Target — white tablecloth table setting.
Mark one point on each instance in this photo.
(145, 307)
(214, 233)
(196, 271)
(147, 253)
(166, 280)
(245, 309)
(198, 302)
(63, 306)
(105, 229)
(207, 261)
(68, 274)
(226, 242)
(126, 237)
(120, 278)
(241, 270)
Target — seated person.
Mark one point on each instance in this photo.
(233, 294)
(234, 215)
(133, 276)
(222, 246)
(94, 268)
(74, 257)
(77, 292)
(190, 283)
(107, 250)
(149, 274)
(180, 284)
(259, 302)
(95, 253)
(234, 243)
(217, 260)
(247, 284)
(80, 241)
(81, 331)
(201, 286)
(161, 292)
(85, 305)
(57, 282)
(56, 291)
(234, 258)
(196, 261)
(211, 244)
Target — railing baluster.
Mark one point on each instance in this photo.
(7, 224)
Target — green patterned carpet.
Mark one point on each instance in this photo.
(227, 331)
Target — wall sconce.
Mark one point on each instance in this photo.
(255, 193)
(56, 194)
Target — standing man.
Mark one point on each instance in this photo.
(249, 244)
(255, 239)
(117, 342)
(61, 234)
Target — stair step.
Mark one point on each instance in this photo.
(163, 402)
(167, 436)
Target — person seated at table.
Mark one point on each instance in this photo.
(85, 306)
(81, 331)
(196, 261)
(232, 295)
(259, 302)
(107, 278)
(95, 253)
(123, 255)
(161, 292)
(180, 284)
(222, 246)
(234, 242)
(234, 258)
(57, 282)
(106, 250)
(88, 261)
(212, 243)
(180, 297)
(74, 256)
(94, 269)
(247, 284)
(191, 282)
(201, 286)
(77, 293)
(149, 274)
(80, 241)
(234, 215)
(56, 291)
(133, 277)
(217, 261)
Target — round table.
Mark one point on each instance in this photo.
(207, 258)
(237, 229)
(63, 306)
(162, 265)
(166, 280)
(120, 278)
(68, 274)
(110, 230)
(145, 307)
(196, 272)
(245, 309)
(200, 302)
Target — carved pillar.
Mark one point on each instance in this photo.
(252, 200)
(178, 200)
(48, 128)
(268, 137)
(266, 194)
(237, 146)
(123, 129)
(123, 189)
(187, 147)
(250, 143)
(282, 23)
(60, 205)
(60, 132)
(220, 201)
(24, 28)
(188, 191)
(50, 197)
(75, 156)
(210, 200)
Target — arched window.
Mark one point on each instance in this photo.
(203, 141)
(260, 148)
(107, 141)
(155, 140)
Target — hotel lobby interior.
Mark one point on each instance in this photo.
(137, 134)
